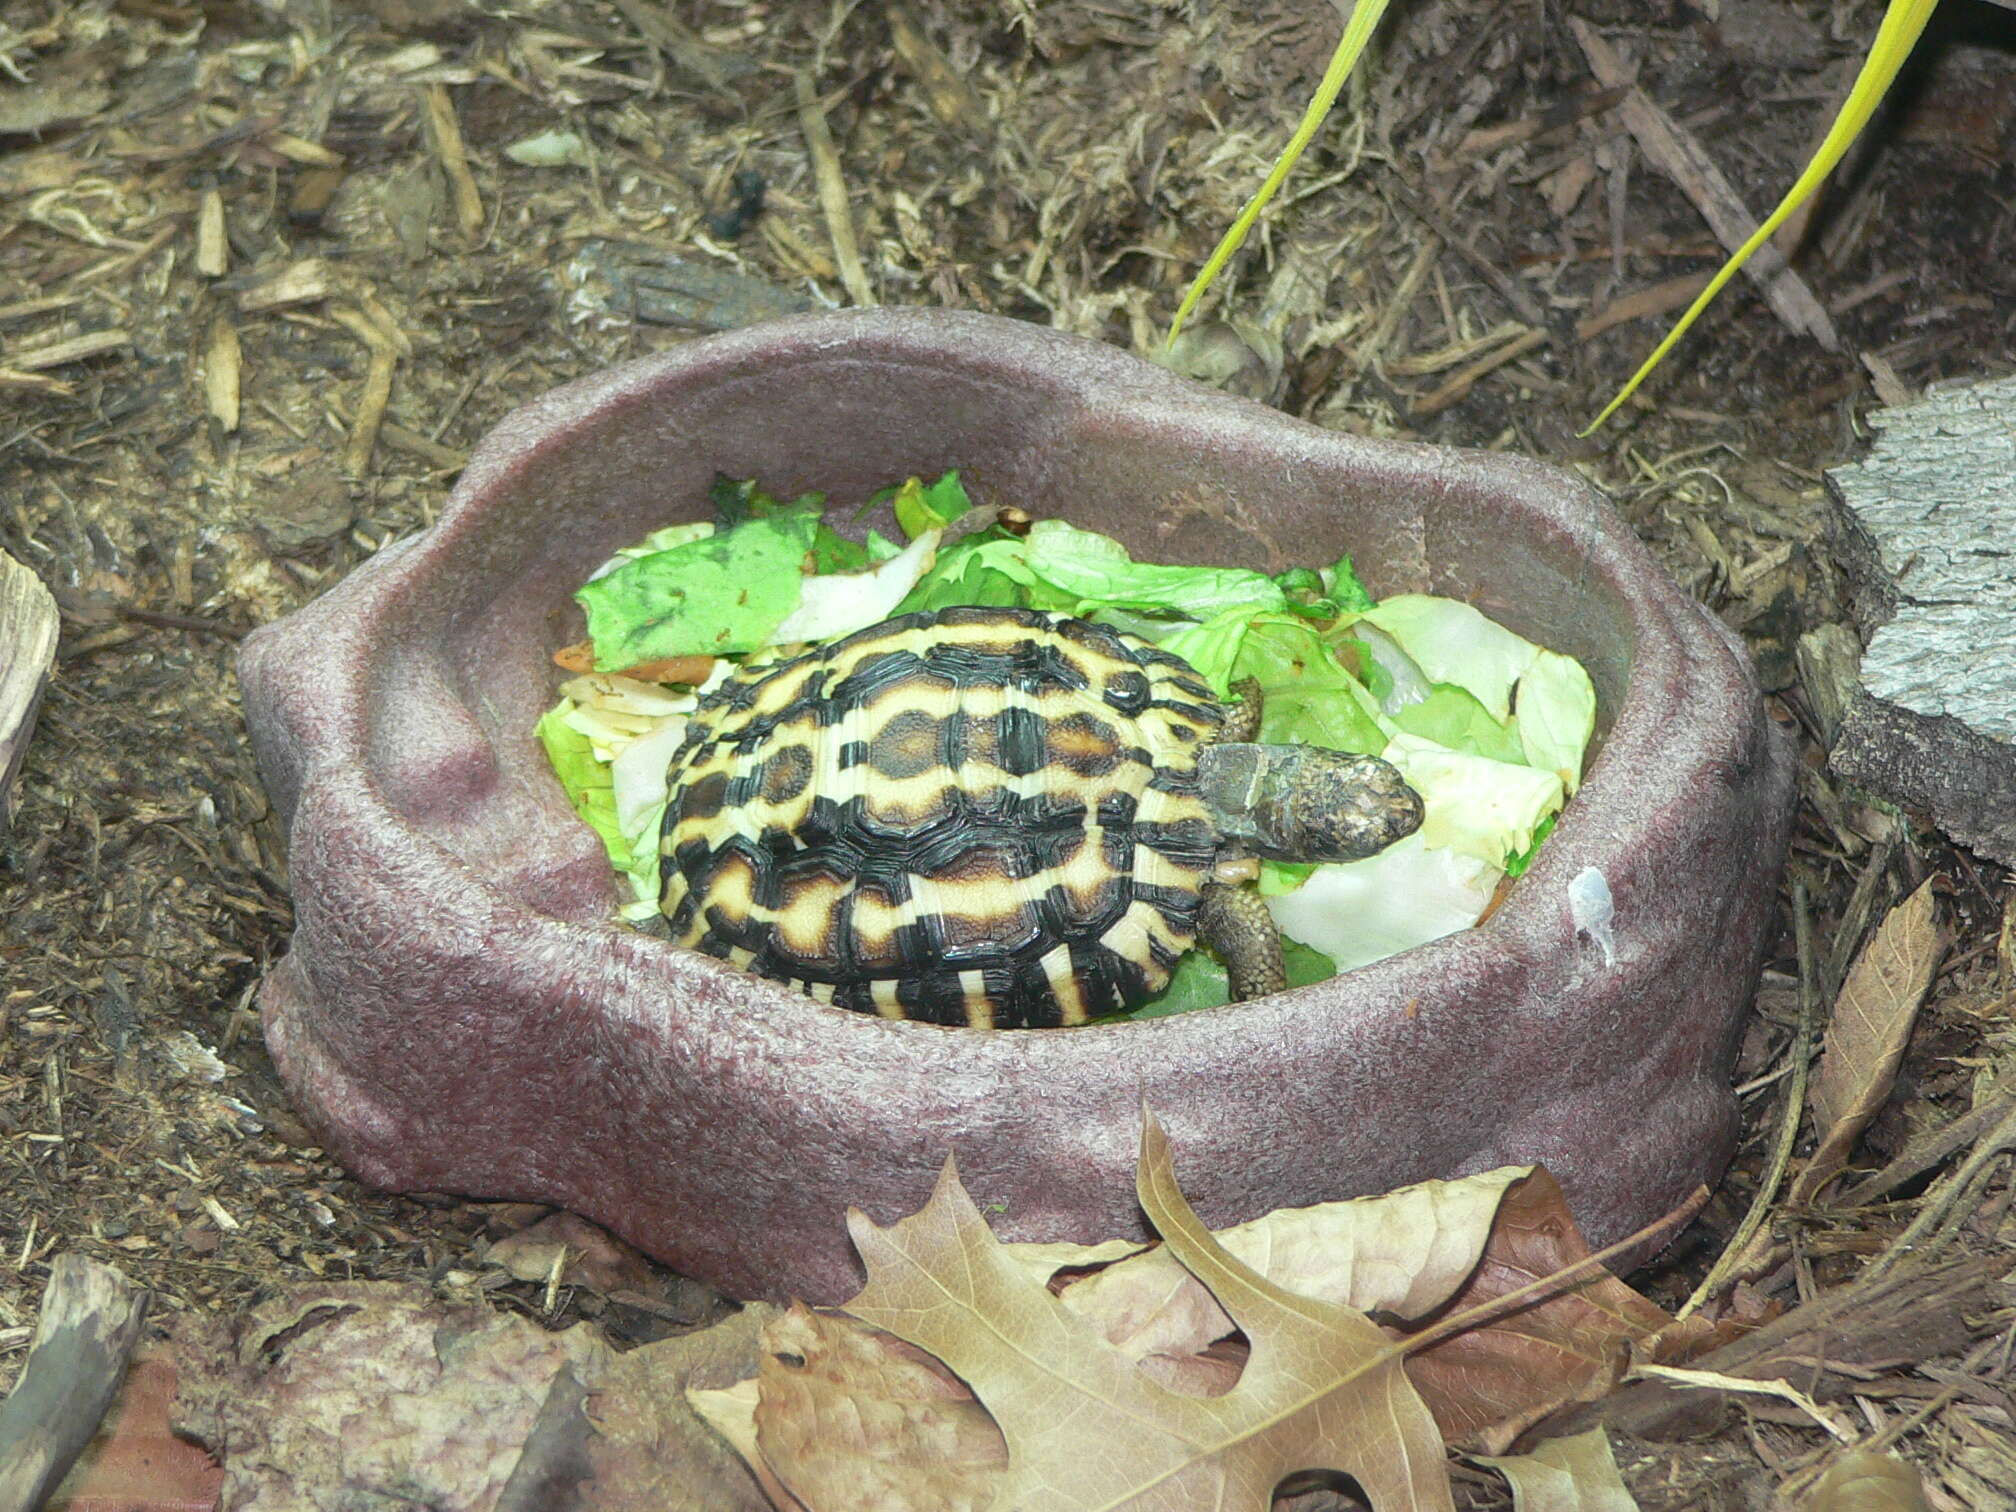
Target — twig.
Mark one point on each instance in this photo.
(444, 134)
(832, 192)
(1561, 1282)
(1675, 151)
(194, 623)
(91, 1317)
(1736, 1254)
(1921, 1155)
(1948, 1200)
(1461, 383)
(1523, 304)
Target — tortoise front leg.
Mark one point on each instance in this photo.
(1242, 720)
(1235, 923)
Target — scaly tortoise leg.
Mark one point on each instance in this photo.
(1242, 720)
(1232, 919)
(1234, 922)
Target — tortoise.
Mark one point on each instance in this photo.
(995, 817)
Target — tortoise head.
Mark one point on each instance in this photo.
(1305, 803)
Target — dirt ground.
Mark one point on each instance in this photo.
(268, 270)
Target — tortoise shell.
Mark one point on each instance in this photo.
(978, 816)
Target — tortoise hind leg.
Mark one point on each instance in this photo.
(1234, 922)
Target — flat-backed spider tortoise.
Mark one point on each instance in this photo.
(995, 817)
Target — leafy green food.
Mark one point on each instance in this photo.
(1515, 865)
(739, 499)
(1454, 643)
(1097, 571)
(588, 784)
(1341, 583)
(1453, 717)
(1556, 716)
(921, 506)
(1199, 981)
(719, 596)
(1306, 694)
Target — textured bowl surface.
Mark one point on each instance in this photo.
(456, 1013)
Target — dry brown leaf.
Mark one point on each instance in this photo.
(650, 1452)
(587, 1255)
(1867, 1033)
(1566, 1475)
(1864, 1481)
(842, 1405)
(1489, 1384)
(328, 1395)
(1085, 1428)
(1403, 1253)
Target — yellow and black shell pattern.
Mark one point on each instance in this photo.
(978, 816)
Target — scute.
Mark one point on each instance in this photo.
(979, 816)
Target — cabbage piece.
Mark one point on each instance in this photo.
(1391, 675)
(637, 778)
(626, 695)
(721, 595)
(1452, 716)
(838, 604)
(1477, 807)
(1454, 643)
(1556, 715)
(1357, 912)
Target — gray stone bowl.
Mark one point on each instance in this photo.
(458, 1014)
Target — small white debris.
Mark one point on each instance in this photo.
(1590, 906)
(195, 1060)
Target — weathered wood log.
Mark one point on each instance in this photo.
(91, 1317)
(1926, 528)
(27, 651)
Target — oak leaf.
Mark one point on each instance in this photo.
(1575, 1474)
(1084, 1427)
(1491, 1383)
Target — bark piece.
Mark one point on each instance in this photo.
(1926, 526)
(91, 1317)
(27, 652)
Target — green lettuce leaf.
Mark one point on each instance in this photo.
(1516, 865)
(1454, 643)
(922, 506)
(587, 782)
(1306, 694)
(1556, 715)
(739, 499)
(711, 597)
(1341, 583)
(1096, 570)
(990, 567)
(1453, 717)
(1199, 980)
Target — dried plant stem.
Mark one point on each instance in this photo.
(1736, 1253)
(832, 192)
(1944, 1208)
